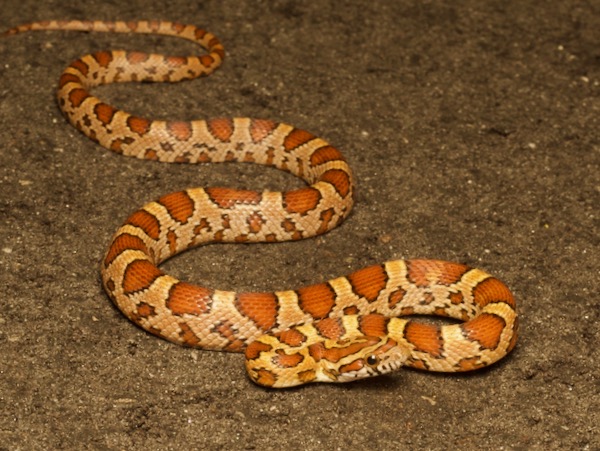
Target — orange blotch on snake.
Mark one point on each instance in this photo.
(417, 364)
(172, 242)
(136, 57)
(469, 364)
(255, 348)
(187, 335)
(227, 197)
(307, 376)
(204, 157)
(426, 272)
(356, 365)
(203, 226)
(117, 145)
(486, 329)
(440, 311)
(288, 225)
(199, 34)
(225, 221)
(153, 25)
(317, 300)
(138, 125)
(464, 315)
(336, 354)
(291, 337)
(214, 42)
(260, 129)
(369, 282)
(325, 219)
(331, 328)
(427, 298)
(220, 128)
(81, 66)
(301, 201)
(351, 310)
(325, 154)
(230, 332)
(284, 360)
(144, 310)
(139, 275)
(176, 61)
(264, 377)
(451, 272)
(492, 290)
(177, 27)
(259, 307)
(103, 58)
(255, 222)
(206, 60)
(179, 205)
(425, 338)
(104, 112)
(220, 51)
(456, 298)
(145, 221)
(317, 351)
(78, 96)
(248, 157)
(124, 241)
(67, 78)
(407, 311)
(339, 179)
(396, 298)
(296, 138)
(234, 345)
(151, 154)
(180, 130)
(387, 346)
(188, 299)
(374, 325)
(270, 160)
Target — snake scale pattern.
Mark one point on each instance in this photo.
(340, 330)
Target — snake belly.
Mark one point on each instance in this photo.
(344, 329)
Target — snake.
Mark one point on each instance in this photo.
(364, 324)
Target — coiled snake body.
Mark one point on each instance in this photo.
(341, 330)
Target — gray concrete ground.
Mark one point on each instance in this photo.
(473, 130)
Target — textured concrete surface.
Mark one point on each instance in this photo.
(473, 130)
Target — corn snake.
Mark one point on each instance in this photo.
(341, 330)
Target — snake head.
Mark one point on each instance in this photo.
(274, 364)
(359, 358)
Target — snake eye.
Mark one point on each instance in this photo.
(372, 360)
